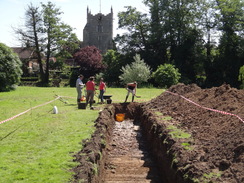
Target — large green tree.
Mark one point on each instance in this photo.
(136, 25)
(10, 68)
(175, 36)
(45, 31)
(208, 23)
(113, 61)
(167, 35)
(203, 39)
(231, 23)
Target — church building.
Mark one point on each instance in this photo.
(98, 31)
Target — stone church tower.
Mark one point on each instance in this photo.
(99, 31)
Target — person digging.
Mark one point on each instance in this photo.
(131, 88)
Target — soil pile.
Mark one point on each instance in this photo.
(216, 148)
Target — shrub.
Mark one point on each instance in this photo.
(166, 75)
(138, 71)
(89, 59)
(241, 77)
(10, 68)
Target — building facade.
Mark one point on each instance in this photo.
(98, 31)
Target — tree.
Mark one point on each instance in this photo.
(166, 75)
(174, 23)
(183, 33)
(138, 71)
(31, 34)
(136, 24)
(89, 59)
(230, 48)
(113, 61)
(158, 42)
(45, 31)
(168, 36)
(208, 22)
(10, 68)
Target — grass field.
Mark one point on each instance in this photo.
(38, 145)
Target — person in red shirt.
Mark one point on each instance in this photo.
(102, 89)
(90, 91)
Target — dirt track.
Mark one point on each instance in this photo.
(189, 143)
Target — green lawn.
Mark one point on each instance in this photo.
(38, 145)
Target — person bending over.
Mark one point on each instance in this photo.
(131, 88)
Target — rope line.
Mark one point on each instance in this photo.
(207, 108)
(28, 110)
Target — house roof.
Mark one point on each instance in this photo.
(25, 53)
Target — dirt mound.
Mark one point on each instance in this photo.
(217, 146)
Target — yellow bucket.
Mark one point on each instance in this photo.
(120, 117)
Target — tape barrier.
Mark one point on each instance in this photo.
(207, 108)
(28, 110)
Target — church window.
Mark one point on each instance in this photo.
(99, 28)
(99, 38)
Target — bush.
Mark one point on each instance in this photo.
(10, 68)
(241, 77)
(138, 71)
(90, 61)
(166, 75)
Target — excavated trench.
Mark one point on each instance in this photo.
(128, 158)
(129, 151)
(185, 135)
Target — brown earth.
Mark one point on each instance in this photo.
(188, 142)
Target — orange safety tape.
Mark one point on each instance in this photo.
(28, 110)
(9, 119)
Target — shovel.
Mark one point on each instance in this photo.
(137, 96)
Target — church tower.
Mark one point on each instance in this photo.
(99, 31)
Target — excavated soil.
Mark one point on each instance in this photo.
(179, 137)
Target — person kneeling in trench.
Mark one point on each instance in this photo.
(131, 88)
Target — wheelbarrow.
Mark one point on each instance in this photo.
(108, 98)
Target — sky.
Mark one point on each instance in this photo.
(12, 13)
